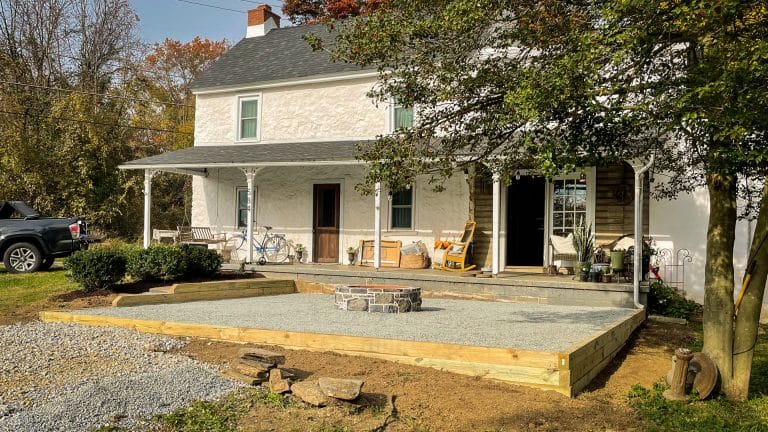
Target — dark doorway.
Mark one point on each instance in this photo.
(325, 225)
(525, 222)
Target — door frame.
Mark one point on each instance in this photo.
(504, 247)
(340, 182)
(591, 173)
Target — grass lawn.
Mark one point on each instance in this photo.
(710, 415)
(22, 290)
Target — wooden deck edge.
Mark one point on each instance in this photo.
(587, 359)
(125, 300)
(237, 284)
(536, 369)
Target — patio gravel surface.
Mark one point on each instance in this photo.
(507, 325)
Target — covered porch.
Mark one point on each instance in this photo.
(265, 172)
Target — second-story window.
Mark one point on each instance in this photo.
(249, 119)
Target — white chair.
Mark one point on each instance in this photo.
(563, 253)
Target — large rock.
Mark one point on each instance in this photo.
(279, 381)
(357, 305)
(344, 389)
(260, 355)
(309, 392)
(249, 369)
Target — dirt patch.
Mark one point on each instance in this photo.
(432, 400)
(71, 300)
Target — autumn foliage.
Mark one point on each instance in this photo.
(312, 11)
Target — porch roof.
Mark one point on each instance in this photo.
(253, 155)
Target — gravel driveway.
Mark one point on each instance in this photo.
(67, 377)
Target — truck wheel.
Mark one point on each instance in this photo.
(47, 263)
(22, 258)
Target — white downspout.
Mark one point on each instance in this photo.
(638, 258)
(377, 226)
(148, 174)
(496, 230)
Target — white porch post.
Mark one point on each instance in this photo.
(496, 235)
(148, 174)
(250, 175)
(377, 226)
(637, 261)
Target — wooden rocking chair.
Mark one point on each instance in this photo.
(455, 258)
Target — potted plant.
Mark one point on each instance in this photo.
(584, 243)
(607, 277)
(352, 254)
(300, 249)
(617, 260)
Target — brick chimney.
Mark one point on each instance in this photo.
(261, 20)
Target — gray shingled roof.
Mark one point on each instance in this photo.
(250, 155)
(281, 54)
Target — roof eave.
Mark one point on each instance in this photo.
(310, 79)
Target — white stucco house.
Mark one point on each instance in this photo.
(282, 122)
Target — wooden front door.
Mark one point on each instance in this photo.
(325, 225)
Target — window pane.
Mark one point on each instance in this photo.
(403, 197)
(327, 208)
(557, 221)
(403, 118)
(249, 109)
(580, 199)
(248, 128)
(401, 217)
(242, 218)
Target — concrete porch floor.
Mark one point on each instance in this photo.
(519, 285)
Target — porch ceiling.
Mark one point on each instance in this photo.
(253, 155)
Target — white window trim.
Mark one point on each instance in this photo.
(239, 124)
(591, 173)
(237, 206)
(413, 213)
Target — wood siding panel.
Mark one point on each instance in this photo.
(612, 217)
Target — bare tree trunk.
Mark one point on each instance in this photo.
(718, 285)
(748, 318)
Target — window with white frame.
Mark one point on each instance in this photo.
(401, 210)
(242, 207)
(248, 118)
(569, 206)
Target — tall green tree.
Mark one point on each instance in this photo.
(558, 84)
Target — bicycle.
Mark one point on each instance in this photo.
(272, 248)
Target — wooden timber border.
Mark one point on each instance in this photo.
(565, 372)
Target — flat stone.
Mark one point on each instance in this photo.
(261, 355)
(403, 305)
(338, 388)
(383, 298)
(310, 392)
(357, 305)
(249, 380)
(376, 308)
(252, 369)
(279, 381)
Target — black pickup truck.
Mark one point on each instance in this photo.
(29, 242)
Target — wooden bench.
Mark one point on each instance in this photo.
(200, 236)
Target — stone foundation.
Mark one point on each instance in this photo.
(378, 298)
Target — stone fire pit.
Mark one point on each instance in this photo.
(378, 298)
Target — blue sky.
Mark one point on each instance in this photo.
(183, 21)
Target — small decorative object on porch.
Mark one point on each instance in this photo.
(607, 278)
(617, 261)
(390, 253)
(300, 249)
(414, 256)
(378, 298)
(583, 242)
(352, 255)
(455, 257)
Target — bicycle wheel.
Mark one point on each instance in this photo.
(276, 249)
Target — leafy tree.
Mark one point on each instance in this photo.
(557, 84)
(311, 11)
(166, 75)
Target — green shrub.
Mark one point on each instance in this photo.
(201, 262)
(97, 268)
(664, 300)
(164, 263)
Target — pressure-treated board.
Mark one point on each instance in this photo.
(219, 290)
(565, 372)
